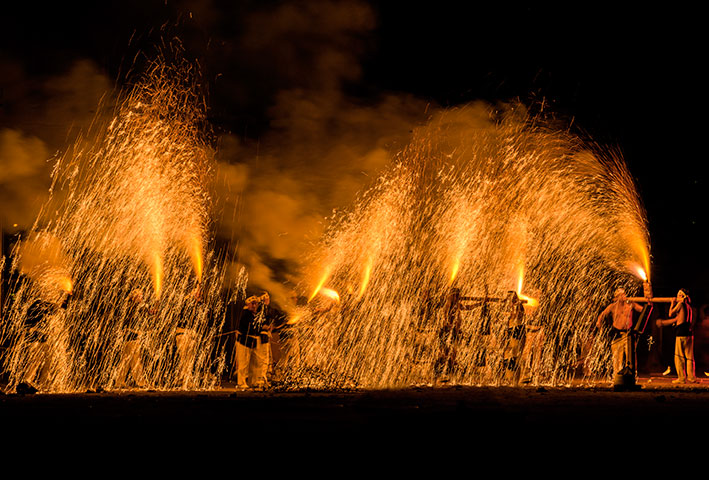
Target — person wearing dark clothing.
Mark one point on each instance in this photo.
(252, 339)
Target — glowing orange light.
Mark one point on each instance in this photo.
(157, 274)
(454, 270)
(196, 254)
(66, 284)
(330, 293)
(641, 265)
(531, 302)
(641, 273)
(365, 278)
(324, 277)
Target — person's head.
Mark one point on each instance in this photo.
(265, 298)
(683, 295)
(252, 303)
(619, 294)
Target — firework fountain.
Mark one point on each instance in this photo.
(115, 276)
(413, 284)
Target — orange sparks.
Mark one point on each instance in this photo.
(325, 275)
(640, 266)
(157, 275)
(332, 294)
(531, 302)
(66, 284)
(454, 271)
(365, 278)
(196, 254)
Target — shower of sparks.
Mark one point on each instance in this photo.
(492, 209)
(365, 278)
(113, 258)
(320, 284)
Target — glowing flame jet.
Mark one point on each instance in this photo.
(454, 271)
(196, 254)
(640, 266)
(157, 275)
(640, 272)
(325, 276)
(531, 302)
(365, 278)
(331, 294)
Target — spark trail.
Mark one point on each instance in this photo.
(126, 226)
(488, 203)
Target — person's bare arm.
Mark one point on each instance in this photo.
(674, 307)
(676, 314)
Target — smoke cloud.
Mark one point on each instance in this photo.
(322, 146)
(39, 117)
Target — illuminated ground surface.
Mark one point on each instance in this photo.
(658, 406)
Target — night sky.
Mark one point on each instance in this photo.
(629, 78)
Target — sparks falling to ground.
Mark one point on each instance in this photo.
(478, 206)
(116, 289)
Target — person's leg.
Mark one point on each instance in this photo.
(243, 358)
(689, 355)
(259, 365)
(618, 353)
(680, 361)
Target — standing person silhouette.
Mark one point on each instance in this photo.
(621, 311)
(681, 318)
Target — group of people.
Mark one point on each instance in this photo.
(46, 350)
(679, 317)
(253, 354)
(507, 350)
(257, 321)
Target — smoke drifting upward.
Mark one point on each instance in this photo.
(322, 147)
(322, 155)
(37, 119)
(24, 177)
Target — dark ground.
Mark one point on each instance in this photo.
(493, 413)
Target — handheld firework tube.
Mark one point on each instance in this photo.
(647, 291)
(647, 309)
(489, 299)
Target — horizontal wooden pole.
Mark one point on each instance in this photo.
(652, 299)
